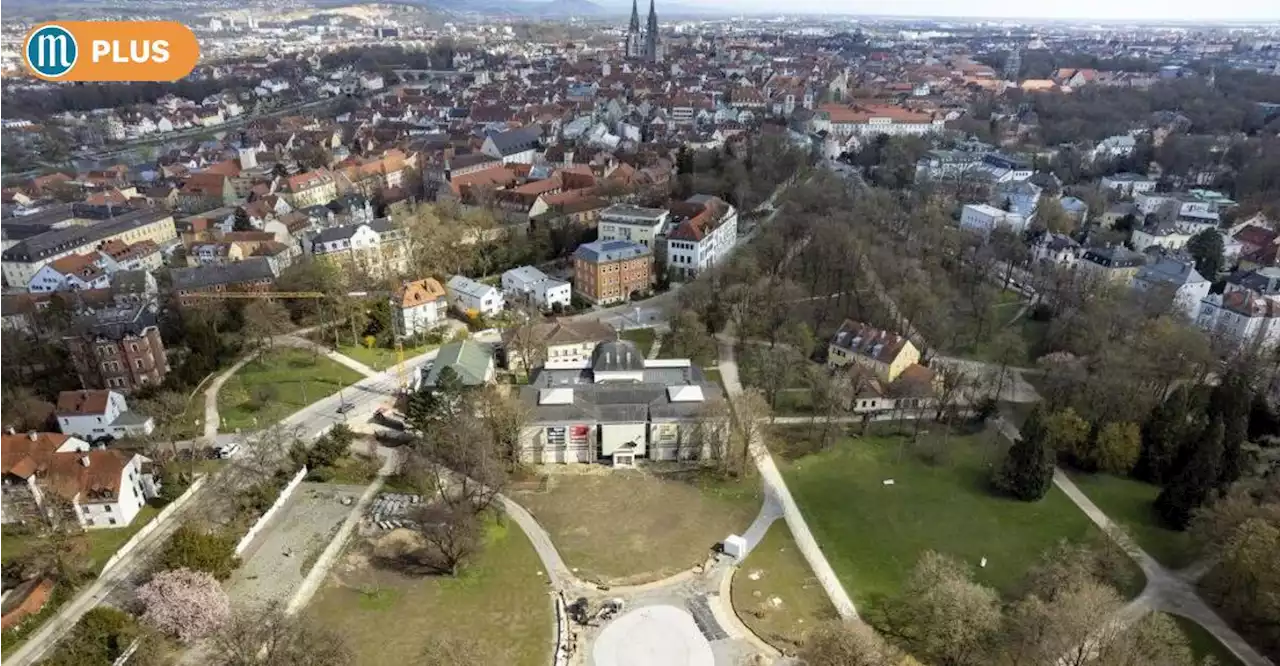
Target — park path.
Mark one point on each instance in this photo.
(295, 340)
(1166, 590)
(777, 486)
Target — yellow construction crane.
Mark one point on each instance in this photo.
(401, 377)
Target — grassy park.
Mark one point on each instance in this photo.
(381, 358)
(499, 602)
(873, 532)
(1129, 503)
(670, 523)
(643, 337)
(775, 593)
(276, 384)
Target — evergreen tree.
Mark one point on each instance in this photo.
(242, 222)
(1162, 437)
(1230, 401)
(431, 406)
(1196, 481)
(1027, 471)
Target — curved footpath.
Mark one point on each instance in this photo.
(776, 487)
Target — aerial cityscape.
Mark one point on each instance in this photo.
(665, 333)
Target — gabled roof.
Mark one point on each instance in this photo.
(469, 360)
(253, 269)
(869, 341)
(415, 293)
(79, 403)
(515, 141)
(66, 473)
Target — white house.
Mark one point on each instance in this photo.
(72, 272)
(529, 283)
(1178, 275)
(103, 488)
(93, 415)
(1243, 317)
(1164, 234)
(466, 295)
(632, 223)
(983, 219)
(1056, 249)
(419, 306)
(706, 230)
(1128, 183)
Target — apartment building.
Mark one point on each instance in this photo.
(609, 271)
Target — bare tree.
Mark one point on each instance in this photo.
(451, 533)
(265, 636)
(848, 644)
(523, 339)
(710, 434)
(504, 417)
(752, 416)
(264, 319)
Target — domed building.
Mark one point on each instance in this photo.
(615, 407)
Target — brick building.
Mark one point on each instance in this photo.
(119, 349)
(610, 271)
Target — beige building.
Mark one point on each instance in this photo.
(610, 271)
(886, 354)
(313, 188)
(24, 259)
(558, 340)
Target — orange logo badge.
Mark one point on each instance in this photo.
(110, 51)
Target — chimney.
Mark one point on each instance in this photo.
(84, 460)
(33, 435)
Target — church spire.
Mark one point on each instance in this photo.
(651, 47)
(635, 16)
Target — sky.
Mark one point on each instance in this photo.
(1226, 10)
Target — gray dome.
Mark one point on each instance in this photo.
(617, 355)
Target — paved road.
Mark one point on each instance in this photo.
(366, 395)
(1166, 590)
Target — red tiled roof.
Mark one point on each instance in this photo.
(83, 402)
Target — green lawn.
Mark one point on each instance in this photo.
(104, 543)
(775, 592)
(381, 358)
(1203, 644)
(873, 534)
(278, 383)
(713, 375)
(500, 601)
(643, 337)
(1129, 503)
(794, 402)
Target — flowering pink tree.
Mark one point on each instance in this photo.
(184, 603)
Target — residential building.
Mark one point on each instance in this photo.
(23, 259)
(471, 361)
(1261, 281)
(313, 188)
(615, 407)
(1168, 235)
(471, 296)
(1177, 275)
(886, 354)
(119, 348)
(419, 306)
(516, 145)
(534, 286)
(76, 272)
(1056, 249)
(1243, 317)
(611, 271)
(252, 274)
(632, 223)
(377, 248)
(865, 120)
(1128, 183)
(558, 340)
(1020, 197)
(98, 414)
(983, 219)
(1116, 264)
(705, 232)
(98, 488)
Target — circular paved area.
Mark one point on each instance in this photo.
(653, 636)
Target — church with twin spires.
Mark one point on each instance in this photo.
(643, 46)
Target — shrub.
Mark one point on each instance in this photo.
(197, 550)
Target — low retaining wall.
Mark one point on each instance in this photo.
(330, 554)
(154, 525)
(284, 497)
(560, 656)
